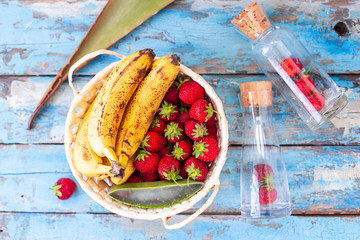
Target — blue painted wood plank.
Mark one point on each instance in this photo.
(323, 180)
(19, 96)
(38, 36)
(95, 226)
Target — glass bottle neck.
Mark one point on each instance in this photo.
(265, 33)
(255, 115)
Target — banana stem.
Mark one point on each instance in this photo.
(117, 170)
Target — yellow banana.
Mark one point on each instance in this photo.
(85, 159)
(143, 105)
(110, 104)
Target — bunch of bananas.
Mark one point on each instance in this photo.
(118, 119)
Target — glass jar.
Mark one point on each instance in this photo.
(264, 189)
(291, 68)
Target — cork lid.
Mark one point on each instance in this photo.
(256, 93)
(252, 21)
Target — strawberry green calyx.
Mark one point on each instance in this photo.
(141, 155)
(167, 109)
(178, 152)
(199, 148)
(193, 172)
(267, 179)
(172, 175)
(183, 109)
(307, 71)
(155, 122)
(199, 131)
(173, 131)
(269, 187)
(144, 142)
(210, 111)
(56, 190)
(180, 81)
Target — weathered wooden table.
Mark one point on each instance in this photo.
(323, 167)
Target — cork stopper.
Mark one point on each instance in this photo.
(252, 21)
(256, 94)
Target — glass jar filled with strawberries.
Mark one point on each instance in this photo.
(292, 69)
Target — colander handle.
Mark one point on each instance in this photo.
(86, 58)
(195, 214)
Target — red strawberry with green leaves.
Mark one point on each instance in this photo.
(174, 132)
(195, 130)
(134, 179)
(211, 121)
(212, 132)
(292, 66)
(206, 149)
(182, 150)
(179, 81)
(190, 92)
(169, 168)
(150, 177)
(168, 111)
(183, 115)
(157, 125)
(153, 142)
(263, 173)
(146, 162)
(197, 170)
(202, 110)
(172, 95)
(267, 194)
(317, 100)
(64, 188)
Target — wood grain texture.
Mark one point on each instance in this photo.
(99, 226)
(19, 95)
(38, 36)
(322, 180)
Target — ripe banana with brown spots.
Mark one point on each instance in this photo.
(143, 106)
(110, 103)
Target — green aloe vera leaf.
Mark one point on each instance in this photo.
(116, 20)
(154, 194)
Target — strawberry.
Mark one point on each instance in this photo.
(195, 130)
(150, 177)
(305, 84)
(169, 168)
(172, 95)
(267, 194)
(64, 188)
(174, 132)
(134, 179)
(146, 162)
(212, 132)
(179, 81)
(153, 142)
(202, 110)
(190, 92)
(197, 170)
(183, 116)
(292, 66)
(168, 111)
(157, 125)
(263, 173)
(211, 121)
(317, 100)
(206, 149)
(182, 150)
(183, 173)
(166, 151)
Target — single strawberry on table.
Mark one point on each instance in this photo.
(292, 66)
(153, 142)
(202, 110)
(190, 92)
(317, 100)
(146, 162)
(168, 111)
(157, 125)
(174, 132)
(197, 170)
(267, 194)
(195, 130)
(64, 188)
(169, 168)
(206, 149)
(263, 173)
(182, 150)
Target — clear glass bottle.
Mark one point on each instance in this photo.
(264, 189)
(291, 68)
